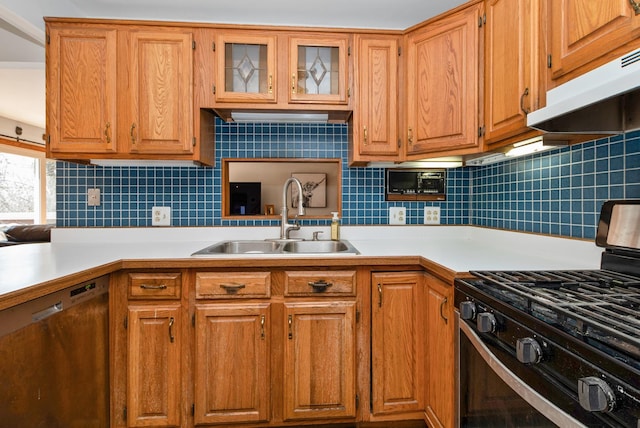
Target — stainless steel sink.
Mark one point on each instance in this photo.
(322, 247)
(277, 247)
(240, 247)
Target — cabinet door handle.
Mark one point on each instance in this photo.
(270, 84)
(365, 135)
(444, 302)
(290, 323)
(107, 132)
(171, 337)
(524, 94)
(410, 136)
(320, 285)
(293, 83)
(379, 295)
(132, 133)
(232, 288)
(262, 321)
(153, 286)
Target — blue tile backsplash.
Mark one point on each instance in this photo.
(558, 192)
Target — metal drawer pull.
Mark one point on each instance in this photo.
(262, 321)
(171, 337)
(320, 285)
(379, 295)
(107, 132)
(232, 288)
(290, 322)
(524, 94)
(131, 132)
(153, 287)
(444, 302)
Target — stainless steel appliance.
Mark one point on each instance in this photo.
(54, 360)
(555, 348)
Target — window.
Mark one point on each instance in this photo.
(27, 185)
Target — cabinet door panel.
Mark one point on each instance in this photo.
(320, 369)
(442, 91)
(396, 336)
(232, 363)
(161, 92)
(81, 90)
(583, 31)
(153, 391)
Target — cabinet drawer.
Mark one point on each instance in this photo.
(330, 283)
(155, 285)
(225, 285)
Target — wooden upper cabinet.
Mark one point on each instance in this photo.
(160, 92)
(375, 117)
(246, 67)
(512, 63)
(397, 350)
(81, 89)
(443, 85)
(586, 33)
(319, 69)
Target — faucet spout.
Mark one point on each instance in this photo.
(285, 226)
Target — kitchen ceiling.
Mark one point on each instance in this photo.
(22, 30)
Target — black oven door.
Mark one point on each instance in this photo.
(492, 391)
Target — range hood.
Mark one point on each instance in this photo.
(603, 101)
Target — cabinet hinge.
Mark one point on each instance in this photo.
(357, 316)
(349, 92)
(348, 50)
(193, 320)
(213, 89)
(399, 50)
(193, 44)
(549, 62)
(482, 20)
(193, 409)
(213, 46)
(194, 141)
(399, 143)
(49, 138)
(480, 131)
(126, 323)
(357, 401)
(124, 413)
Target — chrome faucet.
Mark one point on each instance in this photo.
(285, 226)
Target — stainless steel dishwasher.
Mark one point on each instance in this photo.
(54, 359)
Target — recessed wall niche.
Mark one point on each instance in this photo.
(252, 188)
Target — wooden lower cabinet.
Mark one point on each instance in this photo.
(397, 350)
(154, 361)
(320, 360)
(231, 365)
(440, 356)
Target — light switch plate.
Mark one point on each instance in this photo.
(161, 216)
(93, 197)
(431, 215)
(397, 215)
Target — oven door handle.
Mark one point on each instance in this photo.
(530, 395)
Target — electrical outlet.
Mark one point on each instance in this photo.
(161, 216)
(93, 197)
(397, 215)
(431, 215)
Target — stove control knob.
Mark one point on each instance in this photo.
(467, 310)
(486, 322)
(595, 394)
(528, 350)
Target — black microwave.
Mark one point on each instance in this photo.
(404, 184)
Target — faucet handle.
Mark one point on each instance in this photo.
(316, 233)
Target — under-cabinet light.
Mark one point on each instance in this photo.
(281, 117)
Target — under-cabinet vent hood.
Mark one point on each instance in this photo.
(603, 101)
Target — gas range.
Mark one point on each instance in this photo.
(573, 336)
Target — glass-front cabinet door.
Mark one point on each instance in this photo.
(246, 68)
(318, 68)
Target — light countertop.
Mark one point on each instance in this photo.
(457, 248)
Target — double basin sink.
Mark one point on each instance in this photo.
(278, 247)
